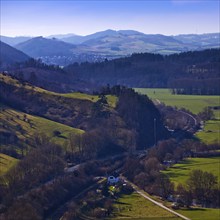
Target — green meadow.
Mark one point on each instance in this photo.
(179, 173)
(201, 213)
(211, 132)
(194, 103)
(134, 206)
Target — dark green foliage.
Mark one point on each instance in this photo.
(140, 114)
(194, 72)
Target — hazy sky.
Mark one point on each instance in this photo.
(35, 18)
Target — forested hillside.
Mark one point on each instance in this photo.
(109, 126)
(190, 72)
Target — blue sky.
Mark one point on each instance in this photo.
(169, 17)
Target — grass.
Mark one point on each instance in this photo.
(79, 95)
(134, 206)
(211, 132)
(194, 103)
(14, 118)
(179, 173)
(6, 163)
(112, 100)
(195, 213)
(201, 213)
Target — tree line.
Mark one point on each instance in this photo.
(146, 173)
(199, 68)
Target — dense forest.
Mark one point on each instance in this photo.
(194, 72)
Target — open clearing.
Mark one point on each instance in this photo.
(180, 172)
(6, 163)
(134, 206)
(194, 103)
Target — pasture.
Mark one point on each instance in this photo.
(201, 213)
(27, 125)
(194, 103)
(134, 206)
(179, 173)
(210, 133)
(6, 163)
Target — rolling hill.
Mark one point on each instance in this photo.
(23, 127)
(94, 114)
(109, 44)
(12, 41)
(10, 55)
(39, 46)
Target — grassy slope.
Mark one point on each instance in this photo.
(40, 125)
(194, 103)
(94, 98)
(180, 172)
(75, 95)
(6, 163)
(135, 206)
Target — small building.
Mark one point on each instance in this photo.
(112, 180)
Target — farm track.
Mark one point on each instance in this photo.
(142, 193)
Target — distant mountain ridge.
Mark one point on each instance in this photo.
(10, 55)
(13, 40)
(111, 44)
(40, 46)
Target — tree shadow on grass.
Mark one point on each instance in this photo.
(176, 175)
(195, 209)
(122, 203)
(61, 136)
